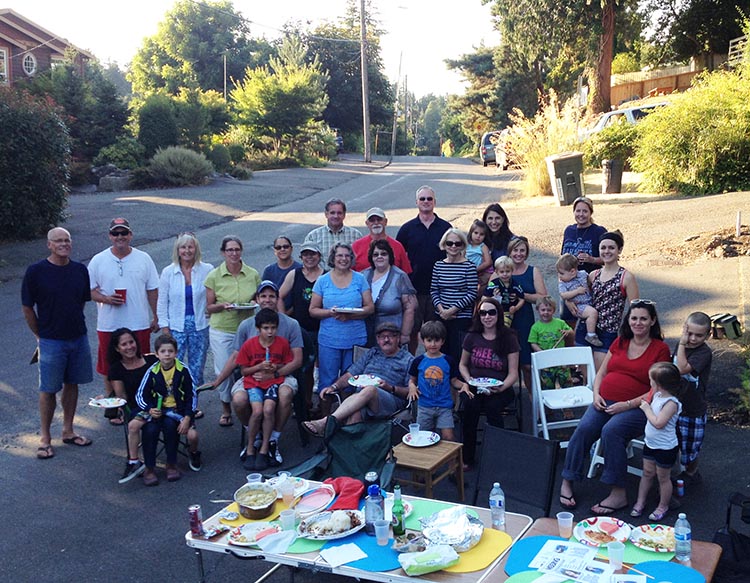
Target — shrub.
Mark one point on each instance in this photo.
(241, 172)
(236, 153)
(157, 124)
(218, 155)
(34, 165)
(175, 166)
(126, 153)
(701, 143)
(615, 142)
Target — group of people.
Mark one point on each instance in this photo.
(469, 297)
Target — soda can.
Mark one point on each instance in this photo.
(196, 520)
(370, 478)
(680, 488)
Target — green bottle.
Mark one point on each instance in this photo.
(398, 512)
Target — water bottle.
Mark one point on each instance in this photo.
(682, 538)
(374, 508)
(497, 507)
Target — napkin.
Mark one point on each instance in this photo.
(277, 543)
(337, 556)
(349, 492)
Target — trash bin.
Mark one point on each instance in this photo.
(566, 175)
(612, 176)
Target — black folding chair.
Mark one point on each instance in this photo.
(524, 465)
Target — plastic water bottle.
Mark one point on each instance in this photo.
(682, 538)
(497, 507)
(374, 508)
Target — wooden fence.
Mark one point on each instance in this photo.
(629, 86)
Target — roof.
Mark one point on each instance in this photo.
(35, 32)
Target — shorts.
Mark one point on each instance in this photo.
(664, 458)
(142, 337)
(388, 404)
(549, 377)
(64, 362)
(256, 395)
(607, 338)
(690, 432)
(425, 311)
(289, 381)
(430, 418)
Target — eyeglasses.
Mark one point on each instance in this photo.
(233, 250)
(383, 254)
(119, 233)
(385, 335)
(454, 243)
(426, 199)
(280, 247)
(639, 302)
(188, 233)
(491, 312)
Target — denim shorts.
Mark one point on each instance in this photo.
(431, 418)
(64, 361)
(664, 458)
(607, 338)
(256, 395)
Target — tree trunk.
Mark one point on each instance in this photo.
(600, 88)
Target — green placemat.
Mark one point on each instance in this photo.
(304, 545)
(524, 577)
(424, 508)
(635, 555)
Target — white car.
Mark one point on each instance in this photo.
(632, 115)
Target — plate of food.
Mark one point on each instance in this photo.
(107, 402)
(249, 534)
(314, 500)
(344, 310)
(653, 537)
(364, 380)
(331, 525)
(300, 484)
(244, 306)
(423, 439)
(600, 530)
(485, 382)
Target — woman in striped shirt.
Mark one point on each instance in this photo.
(454, 290)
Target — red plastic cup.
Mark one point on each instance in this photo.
(122, 294)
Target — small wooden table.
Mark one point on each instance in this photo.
(423, 462)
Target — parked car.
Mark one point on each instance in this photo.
(631, 115)
(487, 147)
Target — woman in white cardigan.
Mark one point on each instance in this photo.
(182, 303)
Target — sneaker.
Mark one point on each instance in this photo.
(194, 461)
(149, 478)
(249, 463)
(274, 455)
(131, 471)
(593, 339)
(261, 462)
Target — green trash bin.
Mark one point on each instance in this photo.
(566, 175)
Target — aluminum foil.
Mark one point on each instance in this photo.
(454, 527)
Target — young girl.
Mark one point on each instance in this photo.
(478, 253)
(660, 451)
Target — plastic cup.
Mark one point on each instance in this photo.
(286, 489)
(615, 551)
(288, 519)
(565, 524)
(252, 478)
(414, 430)
(382, 528)
(122, 294)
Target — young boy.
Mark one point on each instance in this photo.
(693, 359)
(431, 376)
(165, 397)
(262, 360)
(574, 291)
(548, 333)
(505, 289)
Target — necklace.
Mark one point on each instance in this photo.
(581, 232)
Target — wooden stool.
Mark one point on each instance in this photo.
(425, 461)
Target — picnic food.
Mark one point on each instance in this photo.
(598, 536)
(409, 543)
(256, 500)
(339, 521)
(609, 528)
(654, 537)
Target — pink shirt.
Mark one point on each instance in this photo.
(362, 246)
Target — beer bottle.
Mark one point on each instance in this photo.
(398, 512)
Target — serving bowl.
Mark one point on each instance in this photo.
(256, 500)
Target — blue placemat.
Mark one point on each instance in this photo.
(524, 550)
(662, 571)
(378, 558)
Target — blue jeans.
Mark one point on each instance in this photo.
(616, 431)
(64, 362)
(332, 363)
(195, 343)
(150, 436)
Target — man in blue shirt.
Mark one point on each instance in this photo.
(53, 295)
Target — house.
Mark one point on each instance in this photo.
(27, 49)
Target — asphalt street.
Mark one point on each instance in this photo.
(68, 519)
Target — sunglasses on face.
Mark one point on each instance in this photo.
(639, 302)
(119, 233)
(280, 247)
(380, 254)
(426, 199)
(454, 243)
(490, 312)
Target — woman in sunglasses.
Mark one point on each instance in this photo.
(499, 234)
(454, 290)
(621, 383)
(277, 272)
(490, 350)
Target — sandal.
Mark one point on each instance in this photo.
(604, 510)
(226, 421)
(45, 452)
(198, 414)
(311, 428)
(657, 514)
(636, 512)
(116, 421)
(571, 503)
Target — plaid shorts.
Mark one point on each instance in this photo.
(690, 431)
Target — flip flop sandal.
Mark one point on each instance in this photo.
(78, 440)
(605, 510)
(310, 428)
(570, 505)
(45, 452)
(226, 421)
(198, 414)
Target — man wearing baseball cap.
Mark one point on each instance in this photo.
(125, 285)
(376, 222)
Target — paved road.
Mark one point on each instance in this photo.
(68, 519)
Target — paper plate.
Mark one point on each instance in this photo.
(653, 537)
(249, 534)
(107, 402)
(300, 484)
(364, 380)
(314, 500)
(306, 528)
(600, 530)
(245, 306)
(485, 382)
(349, 310)
(424, 439)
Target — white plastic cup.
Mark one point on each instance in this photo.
(565, 524)
(414, 430)
(615, 551)
(253, 478)
(286, 489)
(288, 519)
(382, 528)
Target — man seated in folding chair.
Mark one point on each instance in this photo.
(390, 364)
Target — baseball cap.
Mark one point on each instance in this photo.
(375, 212)
(267, 283)
(309, 247)
(387, 327)
(120, 222)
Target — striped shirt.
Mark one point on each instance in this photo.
(455, 284)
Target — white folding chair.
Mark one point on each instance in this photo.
(597, 459)
(565, 398)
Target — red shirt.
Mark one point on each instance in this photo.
(252, 353)
(626, 378)
(362, 246)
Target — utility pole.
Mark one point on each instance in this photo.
(365, 84)
(406, 112)
(395, 109)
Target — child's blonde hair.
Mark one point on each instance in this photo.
(503, 261)
(667, 376)
(546, 301)
(567, 262)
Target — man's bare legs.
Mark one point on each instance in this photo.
(350, 409)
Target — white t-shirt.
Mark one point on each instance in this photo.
(136, 273)
(666, 437)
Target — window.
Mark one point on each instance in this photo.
(56, 62)
(3, 66)
(29, 64)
